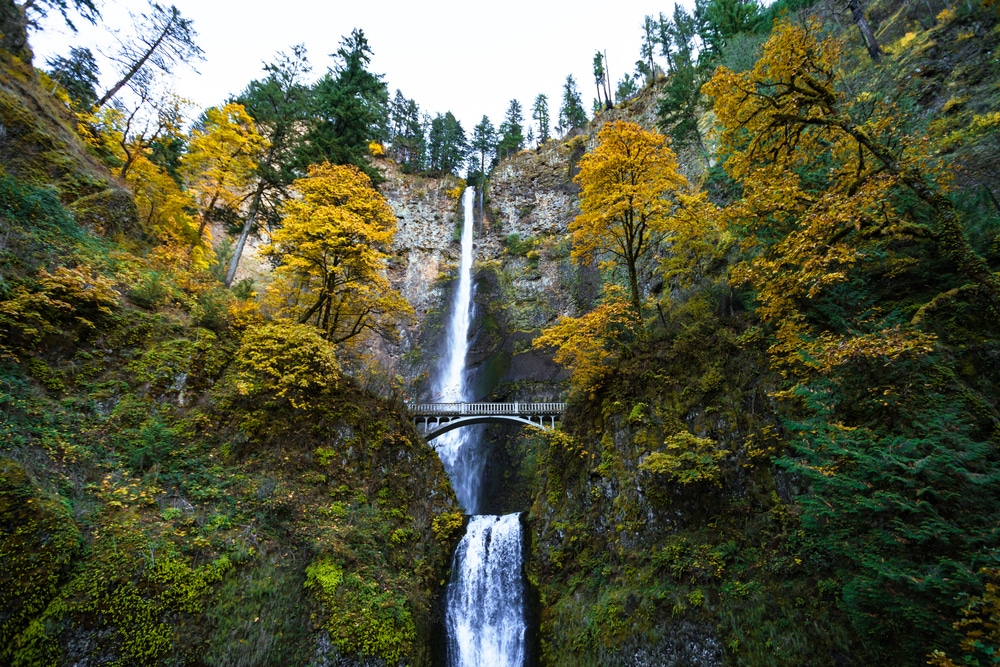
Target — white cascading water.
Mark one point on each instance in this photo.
(458, 448)
(485, 602)
(485, 617)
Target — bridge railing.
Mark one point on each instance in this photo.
(472, 409)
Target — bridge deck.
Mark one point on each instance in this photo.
(484, 409)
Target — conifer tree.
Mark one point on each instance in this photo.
(511, 131)
(540, 114)
(350, 109)
(78, 75)
(446, 144)
(278, 104)
(163, 39)
(572, 115)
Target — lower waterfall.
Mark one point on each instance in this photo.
(485, 602)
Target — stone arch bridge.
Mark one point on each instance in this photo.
(434, 419)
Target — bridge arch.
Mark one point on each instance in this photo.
(441, 429)
(434, 419)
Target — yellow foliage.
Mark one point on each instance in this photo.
(221, 162)
(981, 624)
(285, 361)
(164, 213)
(376, 149)
(332, 250)
(625, 183)
(456, 192)
(785, 118)
(588, 344)
(687, 459)
(66, 300)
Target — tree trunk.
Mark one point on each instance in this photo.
(136, 67)
(247, 226)
(866, 32)
(14, 30)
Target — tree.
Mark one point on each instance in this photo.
(511, 131)
(332, 250)
(627, 89)
(647, 50)
(484, 141)
(797, 119)
(724, 19)
(601, 79)
(16, 19)
(220, 163)
(447, 145)
(589, 345)
(407, 137)
(540, 114)
(853, 246)
(77, 75)
(572, 115)
(623, 207)
(350, 109)
(279, 105)
(163, 39)
(858, 14)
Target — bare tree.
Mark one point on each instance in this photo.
(163, 39)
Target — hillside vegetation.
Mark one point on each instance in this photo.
(779, 326)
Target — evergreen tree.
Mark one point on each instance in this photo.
(646, 65)
(484, 143)
(723, 19)
(278, 104)
(540, 114)
(511, 131)
(77, 75)
(572, 115)
(447, 145)
(679, 106)
(627, 88)
(163, 39)
(407, 136)
(350, 109)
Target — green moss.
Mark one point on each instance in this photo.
(38, 539)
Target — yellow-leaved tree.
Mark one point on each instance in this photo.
(625, 205)
(822, 170)
(587, 345)
(220, 163)
(332, 251)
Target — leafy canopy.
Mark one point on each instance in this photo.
(624, 208)
(332, 252)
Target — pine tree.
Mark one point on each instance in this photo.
(447, 145)
(350, 109)
(278, 104)
(77, 75)
(572, 115)
(540, 114)
(511, 131)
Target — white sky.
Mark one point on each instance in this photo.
(470, 58)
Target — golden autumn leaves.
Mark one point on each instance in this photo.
(332, 250)
(821, 173)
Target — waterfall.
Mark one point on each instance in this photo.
(485, 602)
(485, 619)
(458, 449)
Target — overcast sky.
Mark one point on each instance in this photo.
(470, 58)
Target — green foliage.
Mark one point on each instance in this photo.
(37, 541)
(363, 616)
